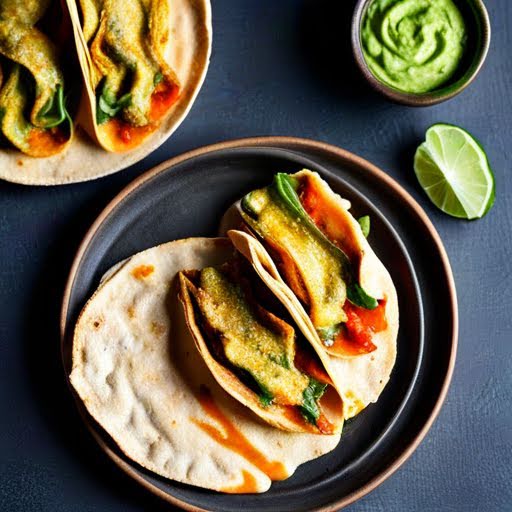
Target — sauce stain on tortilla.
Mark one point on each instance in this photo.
(233, 439)
(248, 485)
(142, 271)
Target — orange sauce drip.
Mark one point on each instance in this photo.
(46, 142)
(142, 271)
(248, 485)
(355, 337)
(232, 438)
(125, 136)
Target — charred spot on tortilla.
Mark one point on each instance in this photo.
(261, 349)
(134, 85)
(319, 262)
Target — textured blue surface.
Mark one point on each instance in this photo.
(281, 68)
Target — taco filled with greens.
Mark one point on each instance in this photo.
(255, 352)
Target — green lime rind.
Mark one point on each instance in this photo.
(453, 169)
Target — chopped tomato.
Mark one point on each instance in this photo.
(324, 425)
(164, 95)
(125, 133)
(356, 335)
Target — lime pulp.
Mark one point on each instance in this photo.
(454, 171)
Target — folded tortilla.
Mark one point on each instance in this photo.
(186, 54)
(323, 270)
(34, 118)
(130, 84)
(140, 376)
(259, 357)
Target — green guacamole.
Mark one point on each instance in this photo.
(413, 45)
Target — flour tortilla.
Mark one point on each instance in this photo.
(360, 379)
(188, 54)
(137, 370)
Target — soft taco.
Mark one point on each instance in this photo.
(259, 357)
(309, 250)
(129, 82)
(136, 368)
(33, 115)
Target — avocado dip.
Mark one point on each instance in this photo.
(413, 45)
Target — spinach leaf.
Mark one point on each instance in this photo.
(54, 110)
(108, 106)
(359, 297)
(311, 395)
(286, 188)
(157, 78)
(265, 396)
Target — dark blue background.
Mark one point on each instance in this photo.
(283, 68)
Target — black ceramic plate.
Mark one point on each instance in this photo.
(186, 197)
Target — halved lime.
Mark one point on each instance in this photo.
(453, 169)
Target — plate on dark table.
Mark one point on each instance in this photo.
(187, 196)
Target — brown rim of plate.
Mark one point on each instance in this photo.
(437, 96)
(291, 143)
